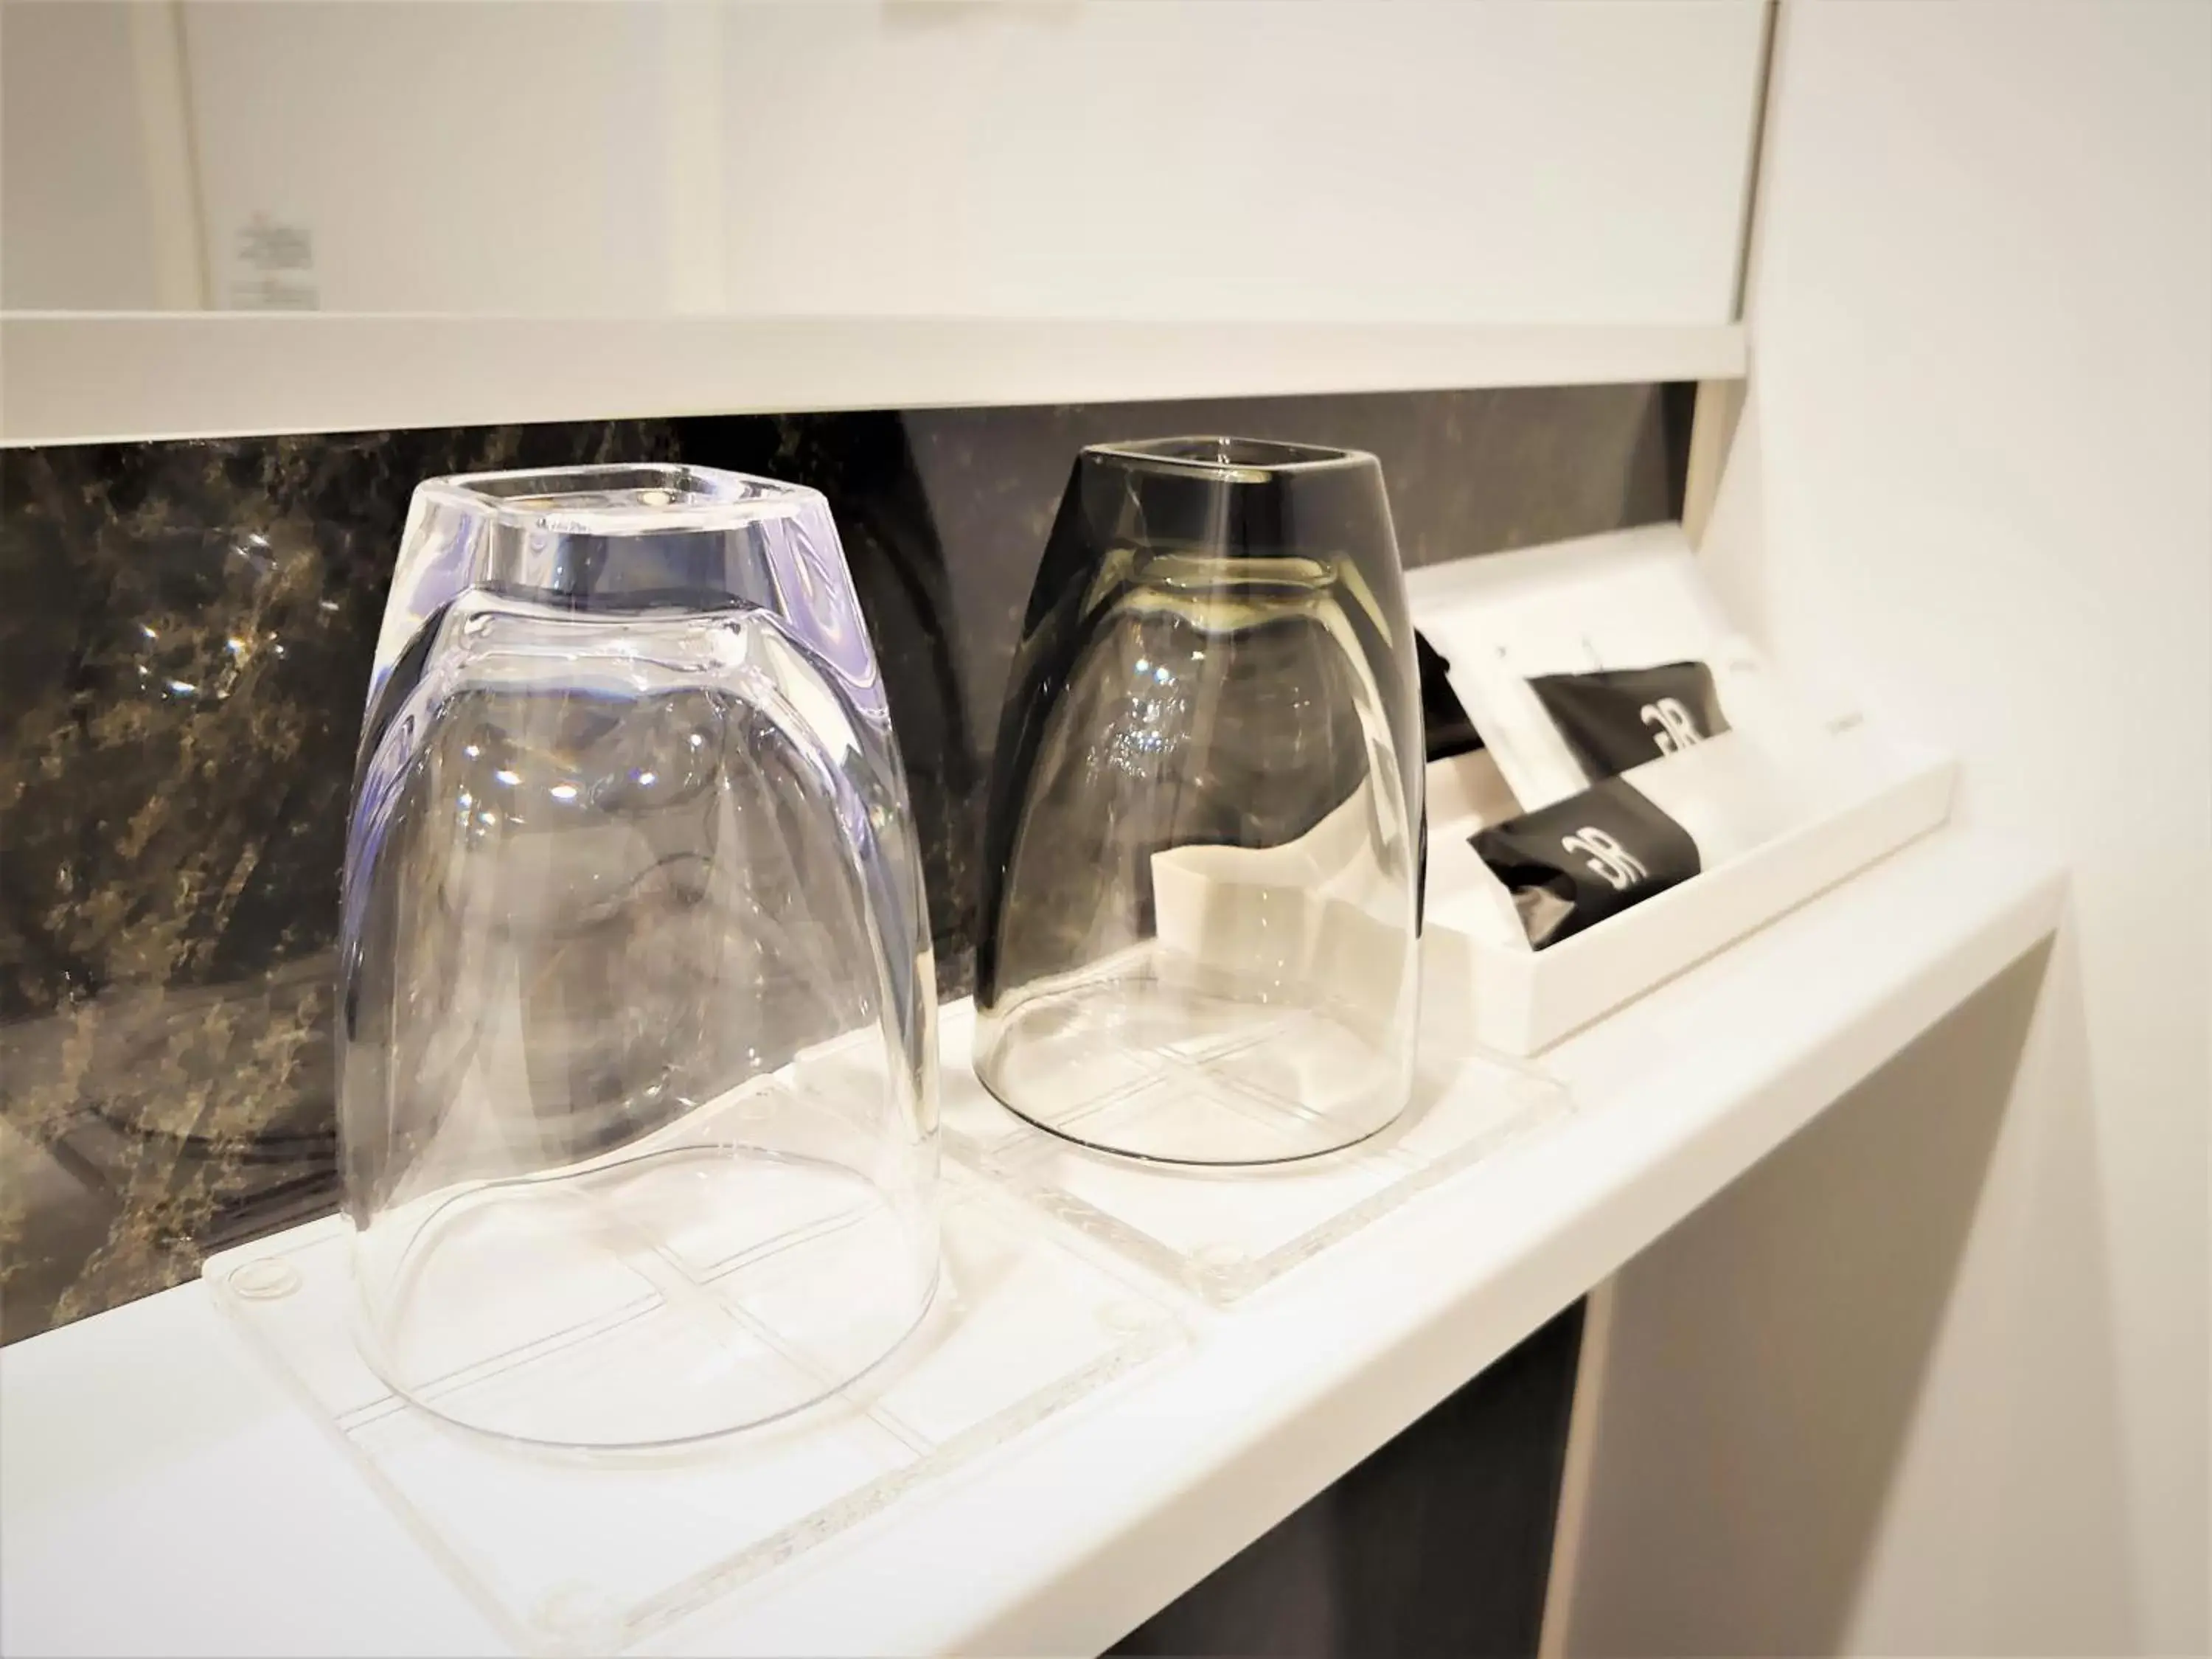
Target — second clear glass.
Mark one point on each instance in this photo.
(1202, 856)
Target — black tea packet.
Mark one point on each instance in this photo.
(1615, 719)
(1571, 865)
(1444, 722)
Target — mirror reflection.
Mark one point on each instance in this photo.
(1048, 159)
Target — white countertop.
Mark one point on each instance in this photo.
(160, 1492)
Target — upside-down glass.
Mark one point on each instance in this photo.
(1202, 855)
(637, 1046)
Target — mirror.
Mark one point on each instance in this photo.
(1339, 162)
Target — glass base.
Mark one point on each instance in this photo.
(1179, 1075)
(656, 1300)
(1225, 1233)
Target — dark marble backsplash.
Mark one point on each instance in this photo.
(186, 640)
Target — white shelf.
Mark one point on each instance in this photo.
(160, 1494)
(67, 377)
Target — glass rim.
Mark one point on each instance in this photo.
(619, 498)
(1232, 458)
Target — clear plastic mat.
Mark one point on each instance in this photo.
(576, 1552)
(1224, 1233)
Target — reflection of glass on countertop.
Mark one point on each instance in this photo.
(151, 1124)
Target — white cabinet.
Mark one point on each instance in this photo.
(1553, 192)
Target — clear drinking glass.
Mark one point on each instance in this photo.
(636, 1080)
(1202, 856)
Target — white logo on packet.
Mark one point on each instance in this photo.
(1612, 863)
(1675, 730)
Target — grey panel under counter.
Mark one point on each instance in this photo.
(1439, 1543)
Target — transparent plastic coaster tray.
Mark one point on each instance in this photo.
(1224, 1232)
(581, 1551)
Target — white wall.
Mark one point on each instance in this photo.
(1934, 1380)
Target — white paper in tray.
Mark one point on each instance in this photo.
(1626, 600)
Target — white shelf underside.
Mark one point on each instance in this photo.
(86, 377)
